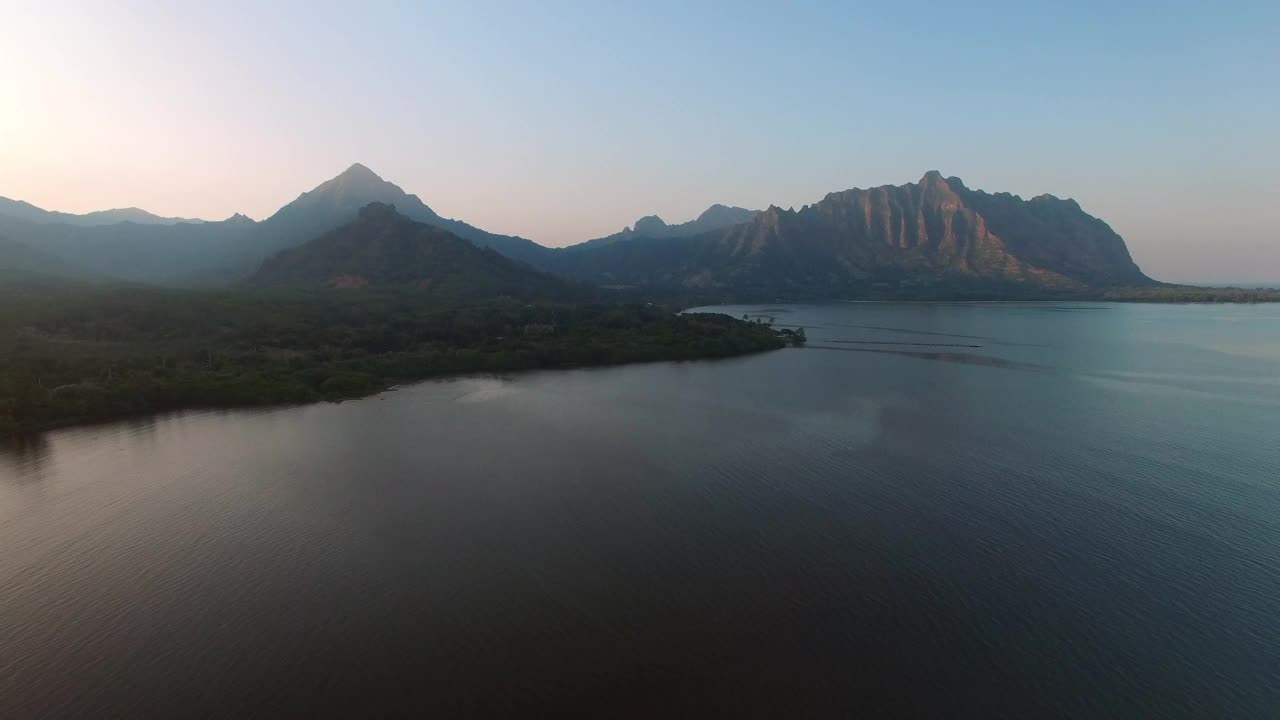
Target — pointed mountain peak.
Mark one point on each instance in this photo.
(359, 172)
(771, 217)
(933, 185)
(360, 183)
(358, 179)
(933, 178)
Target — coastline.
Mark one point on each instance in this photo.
(41, 390)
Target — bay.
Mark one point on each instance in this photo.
(1001, 509)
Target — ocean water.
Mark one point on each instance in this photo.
(933, 510)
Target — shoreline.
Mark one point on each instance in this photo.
(8, 434)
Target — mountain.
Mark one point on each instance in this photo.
(133, 245)
(26, 211)
(383, 248)
(133, 215)
(1057, 235)
(715, 217)
(933, 237)
(337, 201)
(208, 253)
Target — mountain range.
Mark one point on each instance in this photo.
(716, 217)
(31, 213)
(935, 233)
(928, 238)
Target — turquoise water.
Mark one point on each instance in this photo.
(1050, 510)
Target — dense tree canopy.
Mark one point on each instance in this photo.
(96, 353)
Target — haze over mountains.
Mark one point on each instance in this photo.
(337, 201)
(715, 217)
(18, 257)
(928, 237)
(26, 211)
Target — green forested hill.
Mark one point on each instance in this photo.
(381, 248)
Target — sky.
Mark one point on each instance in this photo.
(563, 121)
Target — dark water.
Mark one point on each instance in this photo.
(933, 510)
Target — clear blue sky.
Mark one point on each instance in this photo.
(562, 121)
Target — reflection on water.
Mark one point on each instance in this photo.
(796, 533)
(951, 357)
(24, 459)
(486, 390)
(908, 331)
(26, 463)
(898, 342)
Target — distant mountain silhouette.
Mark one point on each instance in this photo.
(911, 238)
(383, 248)
(933, 238)
(337, 201)
(217, 253)
(208, 253)
(715, 217)
(26, 211)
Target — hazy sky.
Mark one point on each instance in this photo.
(566, 121)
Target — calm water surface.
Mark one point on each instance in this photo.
(934, 509)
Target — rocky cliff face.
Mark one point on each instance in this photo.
(932, 238)
(933, 232)
(1049, 232)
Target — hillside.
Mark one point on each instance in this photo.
(382, 248)
(207, 253)
(16, 257)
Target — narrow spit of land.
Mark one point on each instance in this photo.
(92, 354)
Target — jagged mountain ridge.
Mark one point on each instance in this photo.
(925, 234)
(934, 232)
